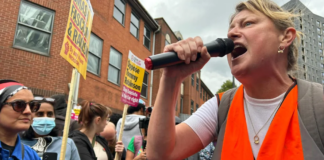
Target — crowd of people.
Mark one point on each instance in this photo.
(272, 115)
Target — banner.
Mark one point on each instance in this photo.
(133, 80)
(76, 41)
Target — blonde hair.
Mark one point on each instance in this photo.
(281, 19)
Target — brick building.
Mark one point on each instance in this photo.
(192, 88)
(32, 34)
(31, 39)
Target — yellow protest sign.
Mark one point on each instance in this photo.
(77, 35)
(133, 80)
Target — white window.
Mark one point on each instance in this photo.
(95, 52)
(145, 84)
(34, 28)
(318, 30)
(134, 26)
(193, 79)
(115, 60)
(147, 37)
(119, 11)
(318, 23)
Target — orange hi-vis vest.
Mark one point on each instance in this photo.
(287, 138)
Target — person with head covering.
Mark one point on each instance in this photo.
(16, 107)
(131, 127)
(43, 134)
(262, 118)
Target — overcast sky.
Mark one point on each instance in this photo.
(208, 19)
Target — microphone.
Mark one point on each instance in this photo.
(218, 48)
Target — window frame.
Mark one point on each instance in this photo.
(119, 78)
(100, 58)
(34, 28)
(192, 105)
(149, 38)
(145, 84)
(131, 23)
(193, 79)
(123, 23)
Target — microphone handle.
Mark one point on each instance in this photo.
(170, 58)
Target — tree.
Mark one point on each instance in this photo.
(226, 86)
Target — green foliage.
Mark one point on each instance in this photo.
(226, 86)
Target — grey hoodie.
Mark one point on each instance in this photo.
(131, 128)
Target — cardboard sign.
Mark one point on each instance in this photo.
(133, 81)
(76, 41)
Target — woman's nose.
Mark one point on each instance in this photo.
(234, 33)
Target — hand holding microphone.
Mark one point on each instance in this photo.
(186, 50)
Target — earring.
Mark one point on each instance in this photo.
(281, 50)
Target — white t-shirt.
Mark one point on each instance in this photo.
(204, 120)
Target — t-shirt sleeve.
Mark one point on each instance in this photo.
(131, 145)
(204, 121)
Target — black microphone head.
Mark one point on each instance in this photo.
(229, 45)
(220, 47)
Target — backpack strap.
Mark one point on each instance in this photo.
(311, 109)
(224, 103)
(137, 144)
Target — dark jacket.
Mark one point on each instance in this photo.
(85, 148)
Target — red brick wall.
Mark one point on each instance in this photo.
(36, 71)
(48, 75)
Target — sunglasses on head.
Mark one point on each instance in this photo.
(51, 100)
(20, 105)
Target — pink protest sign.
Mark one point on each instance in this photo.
(133, 80)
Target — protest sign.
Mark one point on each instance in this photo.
(133, 80)
(76, 41)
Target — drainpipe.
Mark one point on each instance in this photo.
(153, 50)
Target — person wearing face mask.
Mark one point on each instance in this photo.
(42, 136)
(16, 107)
(93, 119)
(271, 116)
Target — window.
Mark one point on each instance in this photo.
(318, 30)
(321, 51)
(166, 42)
(34, 28)
(192, 106)
(318, 23)
(192, 79)
(134, 26)
(197, 84)
(204, 95)
(145, 85)
(181, 104)
(322, 65)
(115, 59)
(147, 37)
(319, 37)
(119, 11)
(321, 57)
(322, 74)
(95, 51)
(322, 81)
(320, 44)
(197, 106)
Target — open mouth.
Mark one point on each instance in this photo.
(239, 50)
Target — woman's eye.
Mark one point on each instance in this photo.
(248, 23)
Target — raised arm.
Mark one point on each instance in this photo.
(165, 140)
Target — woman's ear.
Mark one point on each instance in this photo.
(97, 120)
(288, 37)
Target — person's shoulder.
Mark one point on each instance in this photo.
(30, 153)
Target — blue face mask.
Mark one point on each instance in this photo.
(43, 125)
